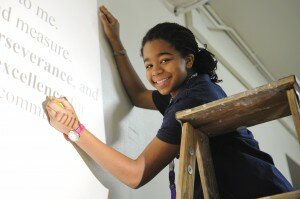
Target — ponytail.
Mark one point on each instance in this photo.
(205, 63)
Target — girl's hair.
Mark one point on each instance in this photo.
(183, 40)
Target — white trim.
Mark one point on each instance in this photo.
(185, 6)
(221, 26)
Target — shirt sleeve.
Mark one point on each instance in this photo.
(161, 101)
(170, 130)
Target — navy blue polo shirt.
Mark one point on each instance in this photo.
(242, 170)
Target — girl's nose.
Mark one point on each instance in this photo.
(157, 70)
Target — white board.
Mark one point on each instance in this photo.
(47, 48)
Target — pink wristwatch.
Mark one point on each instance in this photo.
(74, 135)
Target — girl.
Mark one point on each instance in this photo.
(184, 77)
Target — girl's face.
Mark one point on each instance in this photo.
(165, 68)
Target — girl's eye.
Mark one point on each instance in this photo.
(149, 66)
(164, 61)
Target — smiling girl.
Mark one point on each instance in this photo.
(184, 77)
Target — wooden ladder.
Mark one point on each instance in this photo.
(266, 103)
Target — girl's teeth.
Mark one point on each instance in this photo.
(161, 81)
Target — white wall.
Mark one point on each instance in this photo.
(36, 161)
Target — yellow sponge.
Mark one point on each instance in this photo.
(56, 102)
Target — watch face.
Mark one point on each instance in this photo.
(73, 136)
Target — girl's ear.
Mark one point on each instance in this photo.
(189, 60)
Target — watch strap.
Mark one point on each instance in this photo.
(80, 128)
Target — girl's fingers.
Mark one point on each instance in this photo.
(64, 118)
(72, 123)
(60, 110)
(103, 19)
(51, 112)
(109, 23)
(69, 120)
(59, 117)
(75, 124)
(108, 15)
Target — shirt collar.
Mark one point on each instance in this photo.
(191, 80)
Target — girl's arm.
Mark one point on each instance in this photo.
(132, 172)
(138, 94)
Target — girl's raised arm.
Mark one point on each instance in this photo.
(138, 94)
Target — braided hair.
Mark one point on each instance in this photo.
(184, 41)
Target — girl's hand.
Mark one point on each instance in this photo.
(110, 25)
(62, 117)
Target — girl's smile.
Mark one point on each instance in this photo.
(162, 83)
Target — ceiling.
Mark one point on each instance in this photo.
(271, 28)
